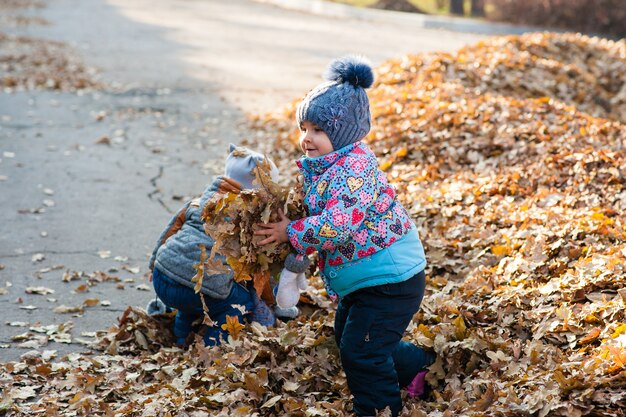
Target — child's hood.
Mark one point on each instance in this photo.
(310, 167)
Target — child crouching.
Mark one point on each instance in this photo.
(178, 251)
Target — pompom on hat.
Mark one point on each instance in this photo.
(340, 106)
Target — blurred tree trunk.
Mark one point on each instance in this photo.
(456, 7)
(478, 8)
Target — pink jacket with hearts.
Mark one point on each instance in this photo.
(353, 215)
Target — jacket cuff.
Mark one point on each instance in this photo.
(297, 264)
(293, 237)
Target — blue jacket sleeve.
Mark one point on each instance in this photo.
(341, 216)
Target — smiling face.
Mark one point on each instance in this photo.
(314, 141)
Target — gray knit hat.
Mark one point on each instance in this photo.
(240, 165)
(340, 106)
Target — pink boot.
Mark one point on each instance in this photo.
(417, 387)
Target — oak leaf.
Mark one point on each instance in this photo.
(233, 326)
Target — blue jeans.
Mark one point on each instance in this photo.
(189, 306)
(369, 325)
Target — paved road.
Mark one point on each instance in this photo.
(181, 76)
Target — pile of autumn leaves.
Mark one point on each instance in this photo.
(31, 63)
(510, 155)
(28, 63)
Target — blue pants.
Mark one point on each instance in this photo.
(369, 325)
(189, 306)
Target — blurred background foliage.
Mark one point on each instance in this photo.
(601, 17)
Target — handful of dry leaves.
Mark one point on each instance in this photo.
(231, 219)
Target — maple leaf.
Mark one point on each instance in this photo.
(233, 326)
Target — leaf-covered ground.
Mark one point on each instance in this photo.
(32, 63)
(511, 157)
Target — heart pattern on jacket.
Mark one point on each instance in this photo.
(309, 238)
(332, 202)
(321, 186)
(382, 205)
(363, 253)
(360, 237)
(355, 183)
(366, 198)
(339, 218)
(378, 241)
(358, 166)
(298, 225)
(335, 261)
(352, 209)
(347, 250)
(348, 201)
(396, 227)
(357, 216)
(370, 225)
(327, 231)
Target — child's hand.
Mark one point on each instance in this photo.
(275, 232)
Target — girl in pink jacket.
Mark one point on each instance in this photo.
(370, 253)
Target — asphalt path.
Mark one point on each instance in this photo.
(88, 180)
